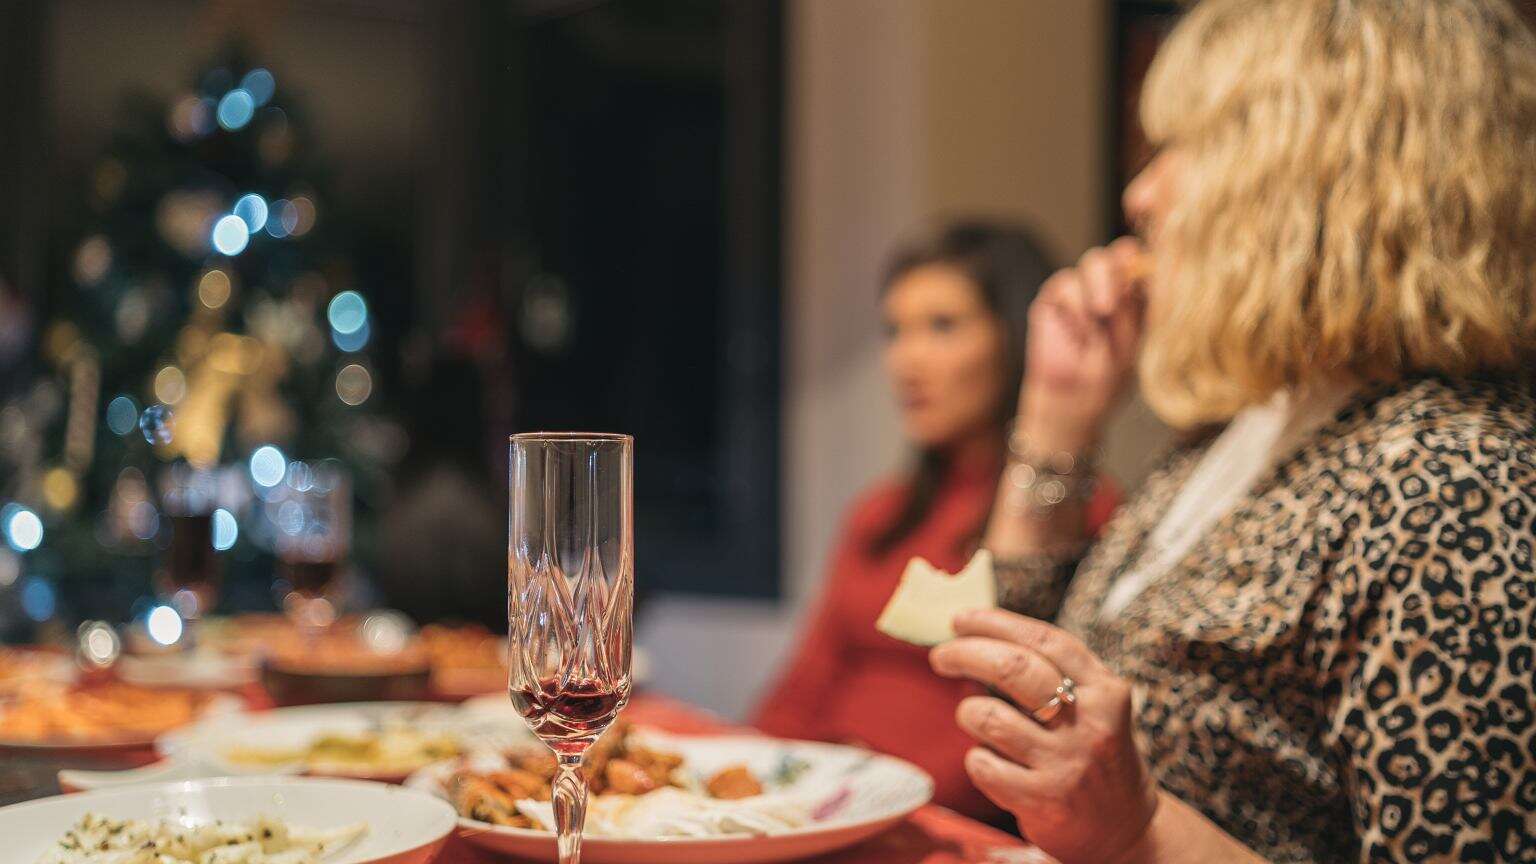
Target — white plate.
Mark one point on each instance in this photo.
(404, 826)
(202, 670)
(875, 793)
(207, 743)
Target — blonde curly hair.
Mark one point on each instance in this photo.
(1357, 197)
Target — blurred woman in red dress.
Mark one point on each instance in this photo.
(955, 307)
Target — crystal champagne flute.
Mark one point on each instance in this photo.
(570, 598)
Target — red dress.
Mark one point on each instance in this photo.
(848, 682)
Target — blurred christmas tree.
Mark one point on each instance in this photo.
(205, 319)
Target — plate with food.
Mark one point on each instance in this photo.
(466, 661)
(663, 799)
(231, 820)
(28, 670)
(373, 740)
(104, 717)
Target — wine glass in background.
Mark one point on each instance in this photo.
(570, 599)
(312, 511)
(190, 570)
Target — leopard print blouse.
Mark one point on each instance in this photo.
(1342, 668)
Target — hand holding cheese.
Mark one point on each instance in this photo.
(928, 599)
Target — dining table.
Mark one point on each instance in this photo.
(931, 835)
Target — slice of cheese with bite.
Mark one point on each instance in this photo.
(928, 599)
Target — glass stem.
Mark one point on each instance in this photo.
(570, 803)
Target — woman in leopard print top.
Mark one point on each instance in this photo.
(1312, 636)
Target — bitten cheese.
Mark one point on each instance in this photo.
(927, 599)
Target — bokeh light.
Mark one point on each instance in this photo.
(268, 465)
(22, 528)
(289, 216)
(347, 313)
(164, 625)
(156, 424)
(170, 385)
(10, 567)
(38, 600)
(144, 520)
(252, 209)
(304, 216)
(93, 259)
(60, 342)
(99, 643)
(190, 118)
(352, 342)
(300, 477)
(353, 384)
(280, 216)
(260, 84)
(122, 415)
(230, 235)
(236, 109)
(132, 315)
(60, 488)
(290, 518)
(214, 288)
(225, 530)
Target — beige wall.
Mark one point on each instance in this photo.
(903, 112)
(1012, 102)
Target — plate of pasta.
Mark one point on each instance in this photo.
(664, 799)
(248, 820)
(384, 741)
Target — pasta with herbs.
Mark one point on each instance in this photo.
(98, 839)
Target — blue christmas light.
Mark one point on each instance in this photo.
(236, 109)
(268, 465)
(352, 342)
(122, 415)
(347, 313)
(260, 84)
(23, 529)
(225, 530)
(230, 234)
(252, 210)
(38, 600)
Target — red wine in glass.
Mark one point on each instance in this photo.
(190, 574)
(576, 712)
(570, 590)
(308, 578)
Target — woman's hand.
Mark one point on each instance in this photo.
(1075, 781)
(1084, 331)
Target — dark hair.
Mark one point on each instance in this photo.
(1006, 264)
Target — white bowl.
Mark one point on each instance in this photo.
(404, 826)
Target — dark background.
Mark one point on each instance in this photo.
(566, 215)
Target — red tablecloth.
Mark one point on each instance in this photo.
(933, 835)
